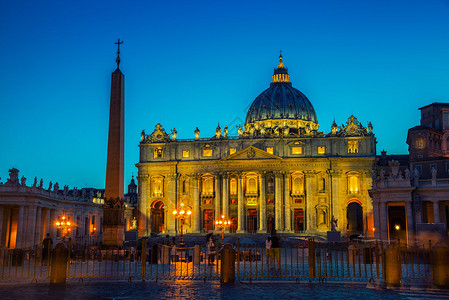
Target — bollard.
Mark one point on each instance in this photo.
(311, 258)
(196, 255)
(59, 264)
(440, 257)
(227, 264)
(392, 267)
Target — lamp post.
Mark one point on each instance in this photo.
(181, 213)
(62, 225)
(223, 223)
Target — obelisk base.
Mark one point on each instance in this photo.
(113, 227)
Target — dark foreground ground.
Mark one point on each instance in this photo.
(209, 290)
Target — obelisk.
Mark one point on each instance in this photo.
(113, 216)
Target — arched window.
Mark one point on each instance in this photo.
(158, 186)
(208, 185)
(322, 184)
(298, 185)
(270, 185)
(233, 186)
(252, 187)
(353, 184)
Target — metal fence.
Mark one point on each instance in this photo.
(313, 261)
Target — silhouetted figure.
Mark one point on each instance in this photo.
(47, 244)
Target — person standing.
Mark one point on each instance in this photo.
(268, 244)
(275, 249)
(210, 248)
(47, 244)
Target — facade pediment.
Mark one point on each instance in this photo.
(251, 152)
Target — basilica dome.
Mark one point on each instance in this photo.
(281, 106)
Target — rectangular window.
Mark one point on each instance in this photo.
(185, 153)
(270, 200)
(321, 150)
(232, 151)
(233, 201)
(298, 200)
(297, 150)
(207, 152)
(270, 150)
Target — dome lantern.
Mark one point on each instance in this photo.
(281, 109)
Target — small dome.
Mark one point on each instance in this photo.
(281, 101)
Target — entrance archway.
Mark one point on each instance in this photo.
(233, 224)
(298, 216)
(157, 217)
(354, 217)
(208, 220)
(252, 220)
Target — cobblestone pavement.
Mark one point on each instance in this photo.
(208, 290)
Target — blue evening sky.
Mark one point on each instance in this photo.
(197, 63)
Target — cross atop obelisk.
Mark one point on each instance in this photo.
(118, 43)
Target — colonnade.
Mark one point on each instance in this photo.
(24, 226)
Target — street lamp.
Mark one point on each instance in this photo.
(181, 213)
(223, 223)
(62, 225)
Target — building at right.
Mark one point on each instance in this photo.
(410, 193)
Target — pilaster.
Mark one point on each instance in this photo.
(142, 217)
(240, 205)
(287, 213)
(278, 201)
(310, 197)
(262, 204)
(196, 222)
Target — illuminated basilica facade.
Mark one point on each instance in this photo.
(280, 172)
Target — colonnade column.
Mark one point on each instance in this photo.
(287, 213)
(376, 218)
(278, 201)
(383, 221)
(436, 212)
(30, 227)
(38, 233)
(310, 209)
(217, 197)
(172, 200)
(225, 208)
(410, 221)
(240, 205)
(196, 222)
(52, 225)
(335, 180)
(20, 227)
(142, 217)
(262, 205)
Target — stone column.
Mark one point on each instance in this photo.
(20, 227)
(30, 226)
(240, 205)
(52, 225)
(410, 221)
(262, 204)
(172, 200)
(142, 217)
(225, 209)
(287, 213)
(196, 222)
(310, 203)
(383, 221)
(335, 188)
(38, 233)
(376, 219)
(217, 197)
(436, 212)
(278, 201)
